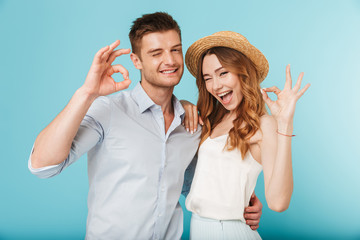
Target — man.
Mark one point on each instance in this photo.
(137, 149)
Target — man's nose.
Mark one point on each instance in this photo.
(168, 58)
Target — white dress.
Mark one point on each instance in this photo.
(221, 189)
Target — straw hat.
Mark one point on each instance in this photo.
(225, 39)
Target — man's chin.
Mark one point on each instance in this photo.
(170, 82)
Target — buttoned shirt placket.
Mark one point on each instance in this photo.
(161, 200)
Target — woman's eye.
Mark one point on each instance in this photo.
(206, 79)
(156, 54)
(223, 74)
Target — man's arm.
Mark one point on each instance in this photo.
(52, 146)
(188, 177)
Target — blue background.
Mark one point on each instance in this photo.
(46, 48)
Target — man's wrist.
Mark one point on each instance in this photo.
(86, 94)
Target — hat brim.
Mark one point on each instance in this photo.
(226, 39)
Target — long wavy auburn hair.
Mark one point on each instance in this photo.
(249, 111)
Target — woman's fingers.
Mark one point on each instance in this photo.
(273, 89)
(196, 118)
(288, 81)
(188, 119)
(191, 116)
(266, 98)
(201, 122)
(298, 82)
(302, 91)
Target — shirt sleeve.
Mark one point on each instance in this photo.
(189, 175)
(92, 131)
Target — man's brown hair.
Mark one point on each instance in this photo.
(150, 23)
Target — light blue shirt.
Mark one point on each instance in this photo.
(135, 170)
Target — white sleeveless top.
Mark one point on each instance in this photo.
(223, 181)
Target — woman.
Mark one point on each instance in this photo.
(239, 139)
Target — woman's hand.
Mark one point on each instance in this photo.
(99, 81)
(283, 108)
(192, 118)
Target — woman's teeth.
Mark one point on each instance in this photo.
(221, 95)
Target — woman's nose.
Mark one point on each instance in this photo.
(217, 84)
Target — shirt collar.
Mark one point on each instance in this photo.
(141, 98)
(144, 101)
(178, 108)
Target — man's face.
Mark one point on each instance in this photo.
(161, 59)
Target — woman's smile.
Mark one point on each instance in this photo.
(224, 85)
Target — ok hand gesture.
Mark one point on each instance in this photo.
(99, 81)
(283, 108)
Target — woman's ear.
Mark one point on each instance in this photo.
(136, 61)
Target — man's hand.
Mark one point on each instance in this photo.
(252, 214)
(99, 81)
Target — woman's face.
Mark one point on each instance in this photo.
(221, 83)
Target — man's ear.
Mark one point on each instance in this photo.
(136, 61)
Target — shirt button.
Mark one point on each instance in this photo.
(160, 215)
(163, 189)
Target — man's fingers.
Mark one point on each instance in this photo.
(252, 222)
(110, 50)
(99, 54)
(253, 209)
(117, 53)
(252, 216)
(119, 68)
(122, 85)
(254, 227)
